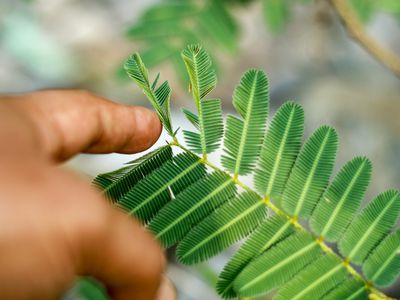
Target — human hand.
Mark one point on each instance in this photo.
(54, 225)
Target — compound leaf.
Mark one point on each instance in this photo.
(191, 206)
(311, 172)
(369, 227)
(280, 149)
(117, 183)
(351, 289)
(210, 125)
(314, 281)
(154, 191)
(276, 266)
(209, 120)
(243, 138)
(382, 267)
(228, 224)
(159, 98)
(342, 199)
(269, 233)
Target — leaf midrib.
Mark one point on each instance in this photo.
(311, 174)
(342, 200)
(287, 260)
(164, 187)
(245, 126)
(370, 228)
(223, 228)
(188, 212)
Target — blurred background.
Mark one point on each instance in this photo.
(301, 44)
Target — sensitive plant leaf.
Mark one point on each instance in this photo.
(382, 266)
(117, 183)
(280, 149)
(276, 266)
(157, 52)
(243, 138)
(352, 289)
(316, 280)
(159, 97)
(270, 232)
(341, 200)
(153, 31)
(276, 14)
(171, 10)
(369, 227)
(210, 126)
(311, 172)
(192, 118)
(199, 67)
(191, 206)
(217, 24)
(202, 81)
(228, 224)
(172, 24)
(149, 195)
(136, 70)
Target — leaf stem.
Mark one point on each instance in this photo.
(356, 30)
(375, 293)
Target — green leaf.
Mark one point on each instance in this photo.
(171, 10)
(276, 14)
(363, 8)
(159, 98)
(228, 224)
(153, 192)
(89, 289)
(218, 25)
(191, 206)
(199, 67)
(311, 172)
(202, 81)
(243, 138)
(270, 232)
(351, 289)
(276, 266)
(368, 228)
(342, 199)
(157, 53)
(382, 267)
(192, 118)
(280, 149)
(156, 31)
(117, 183)
(210, 125)
(315, 280)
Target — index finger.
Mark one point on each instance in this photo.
(69, 122)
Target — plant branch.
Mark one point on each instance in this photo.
(325, 248)
(356, 30)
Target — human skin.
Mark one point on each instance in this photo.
(54, 225)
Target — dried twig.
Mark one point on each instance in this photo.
(356, 30)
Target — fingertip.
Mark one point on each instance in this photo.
(146, 132)
(151, 123)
